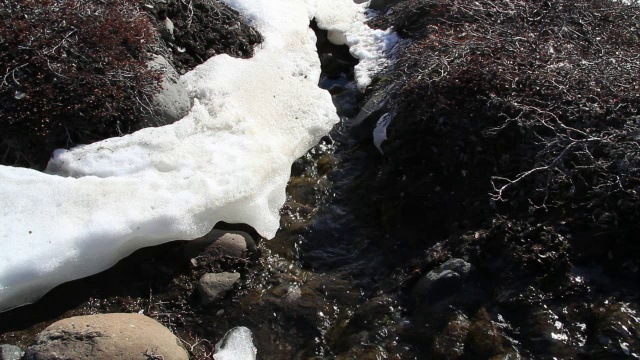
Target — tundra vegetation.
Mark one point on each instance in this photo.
(514, 145)
(73, 72)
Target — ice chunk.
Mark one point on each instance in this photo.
(237, 344)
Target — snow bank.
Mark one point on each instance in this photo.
(228, 160)
(346, 24)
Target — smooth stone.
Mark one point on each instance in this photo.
(10, 352)
(214, 286)
(442, 281)
(105, 337)
(229, 244)
(221, 243)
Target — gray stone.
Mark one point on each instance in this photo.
(10, 352)
(106, 336)
(442, 281)
(214, 286)
(172, 102)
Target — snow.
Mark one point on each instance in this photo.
(346, 24)
(237, 344)
(228, 160)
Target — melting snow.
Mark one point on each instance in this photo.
(228, 160)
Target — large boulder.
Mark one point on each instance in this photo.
(106, 337)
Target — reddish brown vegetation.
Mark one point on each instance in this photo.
(74, 71)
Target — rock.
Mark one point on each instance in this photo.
(363, 123)
(235, 345)
(221, 243)
(230, 245)
(10, 352)
(172, 102)
(442, 281)
(214, 286)
(106, 336)
(450, 342)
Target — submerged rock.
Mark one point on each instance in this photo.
(10, 352)
(106, 337)
(237, 344)
(214, 286)
(442, 281)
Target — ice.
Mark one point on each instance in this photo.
(228, 160)
(237, 344)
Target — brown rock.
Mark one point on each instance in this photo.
(106, 336)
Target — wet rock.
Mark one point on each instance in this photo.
(106, 336)
(235, 345)
(172, 102)
(214, 286)
(346, 102)
(485, 338)
(442, 281)
(449, 344)
(617, 331)
(10, 352)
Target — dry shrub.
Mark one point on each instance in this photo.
(74, 71)
(535, 102)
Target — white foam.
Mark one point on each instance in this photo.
(228, 160)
